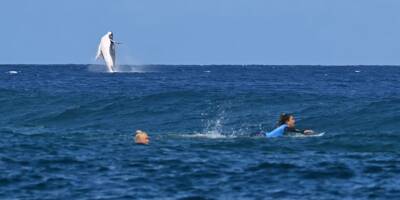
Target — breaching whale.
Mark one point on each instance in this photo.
(106, 50)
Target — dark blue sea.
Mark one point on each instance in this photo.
(66, 132)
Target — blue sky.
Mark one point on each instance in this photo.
(334, 32)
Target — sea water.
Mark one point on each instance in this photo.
(67, 132)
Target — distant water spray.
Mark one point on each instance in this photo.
(120, 69)
(130, 69)
(127, 63)
(97, 68)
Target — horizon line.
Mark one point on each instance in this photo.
(277, 65)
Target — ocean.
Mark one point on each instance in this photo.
(67, 132)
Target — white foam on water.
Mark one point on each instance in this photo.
(209, 135)
(130, 69)
(213, 130)
(119, 69)
(12, 72)
(97, 68)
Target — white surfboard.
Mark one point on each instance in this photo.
(309, 135)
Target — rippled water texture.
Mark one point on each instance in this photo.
(67, 132)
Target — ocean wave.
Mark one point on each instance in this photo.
(199, 110)
(67, 132)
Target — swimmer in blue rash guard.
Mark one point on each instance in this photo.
(286, 124)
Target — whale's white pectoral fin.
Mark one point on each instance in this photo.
(98, 52)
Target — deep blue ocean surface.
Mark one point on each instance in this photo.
(67, 132)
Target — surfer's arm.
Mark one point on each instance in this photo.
(302, 131)
(294, 130)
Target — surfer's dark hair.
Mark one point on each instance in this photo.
(283, 118)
